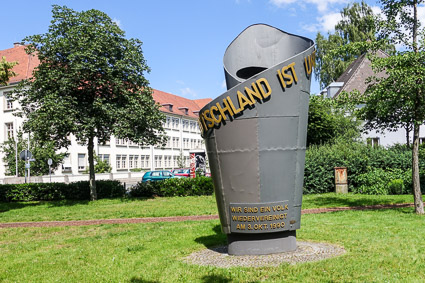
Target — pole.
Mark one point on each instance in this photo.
(29, 170)
(16, 148)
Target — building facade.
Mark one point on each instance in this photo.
(354, 78)
(180, 126)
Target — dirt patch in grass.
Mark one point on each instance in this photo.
(181, 218)
(305, 252)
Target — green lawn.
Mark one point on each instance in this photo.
(381, 245)
(157, 207)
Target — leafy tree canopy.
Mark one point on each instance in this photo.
(6, 71)
(90, 83)
(329, 121)
(41, 152)
(396, 98)
(358, 24)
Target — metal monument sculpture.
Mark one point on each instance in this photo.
(255, 136)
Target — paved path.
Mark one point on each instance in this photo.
(181, 218)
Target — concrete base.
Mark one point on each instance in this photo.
(341, 189)
(261, 244)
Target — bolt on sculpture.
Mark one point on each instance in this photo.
(255, 135)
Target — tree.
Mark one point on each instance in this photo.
(6, 71)
(329, 120)
(41, 152)
(397, 98)
(100, 166)
(90, 83)
(358, 24)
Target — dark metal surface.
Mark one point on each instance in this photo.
(255, 133)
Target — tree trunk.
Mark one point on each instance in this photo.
(93, 193)
(417, 194)
(407, 136)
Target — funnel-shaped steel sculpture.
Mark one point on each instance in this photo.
(255, 136)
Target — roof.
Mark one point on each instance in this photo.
(356, 74)
(179, 104)
(27, 64)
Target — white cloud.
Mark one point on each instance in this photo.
(223, 84)
(321, 5)
(421, 15)
(324, 24)
(118, 22)
(187, 91)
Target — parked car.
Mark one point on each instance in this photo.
(182, 172)
(152, 176)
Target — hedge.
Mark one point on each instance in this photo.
(174, 187)
(370, 170)
(59, 191)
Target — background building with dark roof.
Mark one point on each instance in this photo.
(354, 78)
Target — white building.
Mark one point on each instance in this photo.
(354, 79)
(124, 156)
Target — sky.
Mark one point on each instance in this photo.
(183, 41)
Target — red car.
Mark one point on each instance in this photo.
(183, 172)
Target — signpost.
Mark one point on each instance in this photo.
(50, 162)
(255, 135)
(26, 156)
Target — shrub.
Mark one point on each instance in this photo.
(174, 187)
(381, 182)
(361, 160)
(58, 191)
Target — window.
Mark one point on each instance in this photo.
(176, 142)
(192, 126)
(168, 161)
(81, 161)
(130, 161)
(421, 140)
(144, 161)
(185, 125)
(8, 103)
(169, 141)
(133, 144)
(66, 164)
(135, 161)
(9, 131)
(176, 123)
(121, 142)
(121, 161)
(168, 122)
(374, 142)
(158, 161)
(104, 157)
(185, 143)
(156, 174)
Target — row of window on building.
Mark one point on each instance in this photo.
(131, 161)
(187, 125)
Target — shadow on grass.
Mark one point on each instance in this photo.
(139, 280)
(6, 206)
(216, 239)
(331, 201)
(215, 278)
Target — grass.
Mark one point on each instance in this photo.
(381, 245)
(157, 207)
